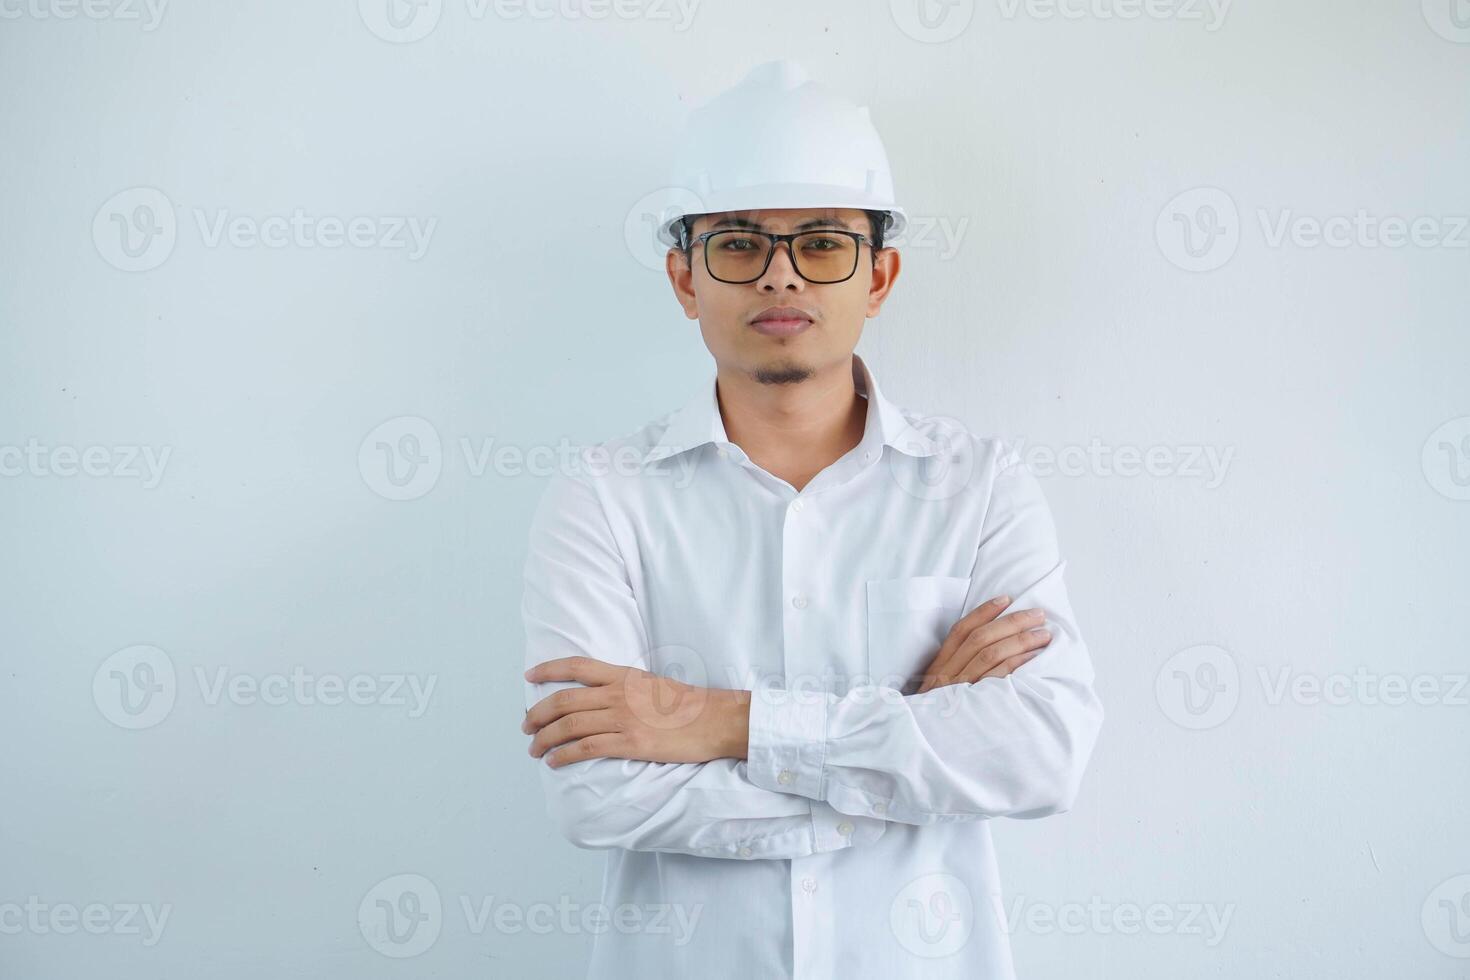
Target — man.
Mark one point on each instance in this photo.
(787, 665)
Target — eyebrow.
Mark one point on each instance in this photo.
(832, 223)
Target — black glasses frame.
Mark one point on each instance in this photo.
(703, 238)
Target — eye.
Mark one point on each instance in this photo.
(821, 244)
(735, 244)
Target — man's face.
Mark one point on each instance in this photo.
(727, 311)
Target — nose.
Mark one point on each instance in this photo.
(781, 271)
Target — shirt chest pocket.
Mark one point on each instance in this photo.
(908, 619)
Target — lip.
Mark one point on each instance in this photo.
(781, 321)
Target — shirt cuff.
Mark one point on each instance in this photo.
(832, 830)
(788, 741)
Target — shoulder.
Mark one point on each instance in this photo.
(589, 471)
(945, 441)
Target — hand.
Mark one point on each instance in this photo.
(628, 713)
(982, 645)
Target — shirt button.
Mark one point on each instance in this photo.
(844, 828)
(868, 455)
(808, 885)
(723, 452)
(785, 777)
(799, 601)
(797, 505)
(880, 807)
(745, 852)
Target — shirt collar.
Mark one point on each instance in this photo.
(699, 422)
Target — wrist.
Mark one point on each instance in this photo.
(732, 727)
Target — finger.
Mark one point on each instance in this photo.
(1011, 624)
(1006, 667)
(949, 666)
(603, 746)
(584, 670)
(997, 653)
(580, 724)
(984, 613)
(564, 702)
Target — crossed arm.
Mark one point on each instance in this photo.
(1003, 724)
(629, 713)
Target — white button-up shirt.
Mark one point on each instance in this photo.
(854, 841)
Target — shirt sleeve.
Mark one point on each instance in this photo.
(578, 601)
(1013, 746)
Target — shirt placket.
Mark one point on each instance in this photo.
(812, 917)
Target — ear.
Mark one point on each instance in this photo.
(681, 277)
(886, 265)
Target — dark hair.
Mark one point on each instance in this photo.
(877, 220)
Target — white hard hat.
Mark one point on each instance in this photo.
(778, 140)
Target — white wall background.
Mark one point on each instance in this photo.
(1048, 294)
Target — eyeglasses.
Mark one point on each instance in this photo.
(822, 257)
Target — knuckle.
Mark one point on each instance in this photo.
(1019, 643)
(993, 633)
(1016, 620)
(1001, 649)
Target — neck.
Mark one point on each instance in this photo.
(793, 429)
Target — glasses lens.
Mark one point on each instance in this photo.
(824, 257)
(739, 256)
